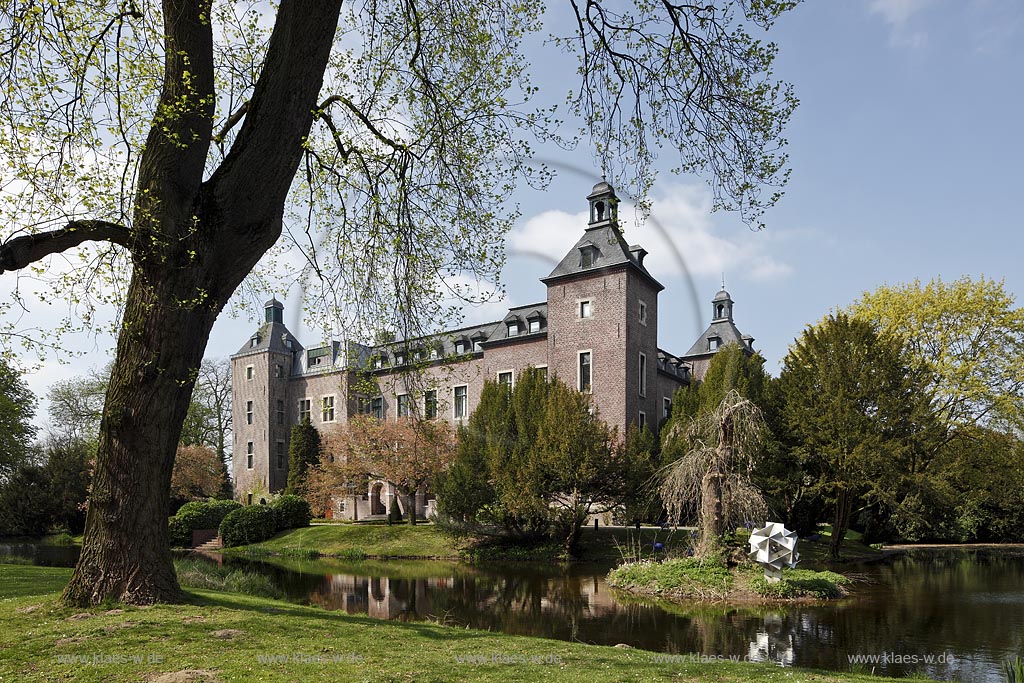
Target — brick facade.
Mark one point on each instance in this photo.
(601, 301)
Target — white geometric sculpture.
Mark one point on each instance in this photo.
(773, 547)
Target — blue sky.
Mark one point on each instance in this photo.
(906, 153)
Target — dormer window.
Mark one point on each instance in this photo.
(378, 363)
(478, 345)
(399, 359)
(713, 343)
(254, 342)
(535, 325)
(461, 346)
(513, 328)
(588, 254)
(433, 353)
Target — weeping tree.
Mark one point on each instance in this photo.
(719, 450)
(159, 151)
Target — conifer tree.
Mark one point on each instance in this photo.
(303, 452)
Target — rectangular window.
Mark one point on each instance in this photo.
(461, 402)
(378, 363)
(713, 344)
(460, 347)
(403, 405)
(278, 371)
(249, 372)
(585, 372)
(430, 404)
(399, 359)
(305, 409)
(667, 409)
(505, 379)
(280, 412)
(585, 309)
(642, 422)
(249, 451)
(643, 375)
(478, 345)
(643, 313)
(280, 455)
(248, 412)
(327, 408)
(513, 329)
(377, 407)
(543, 370)
(535, 325)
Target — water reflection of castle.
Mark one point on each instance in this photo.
(380, 597)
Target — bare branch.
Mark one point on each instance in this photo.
(21, 251)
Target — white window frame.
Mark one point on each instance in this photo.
(642, 374)
(426, 410)
(714, 343)
(579, 375)
(531, 323)
(455, 402)
(399, 412)
(643, 313)
(377, 401)
(250, 372)
(460, 347)
(589, 303)
(666, 406)
(512, 375)
(250, 454)
(544, 368)
(641, 420)
(512, 328)
(324, 408)
(306, 403)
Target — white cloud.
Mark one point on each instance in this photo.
(679, 235)
(898, 13)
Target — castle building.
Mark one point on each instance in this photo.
(597, 331)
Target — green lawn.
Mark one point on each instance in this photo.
(355, 540)
(230, 637)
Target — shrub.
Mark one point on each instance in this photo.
(201, 574)
(200, 514)
(292, 512)
(249, 524)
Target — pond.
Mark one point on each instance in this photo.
(952, 615)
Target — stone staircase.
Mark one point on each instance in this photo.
(206, 540)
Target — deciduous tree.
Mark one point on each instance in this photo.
(17, 407)
(860, 412)
(969, 334)
(169, 137)
(409, 453)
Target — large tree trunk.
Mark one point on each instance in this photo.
(192, 243)
(125, 551)
(712, 513)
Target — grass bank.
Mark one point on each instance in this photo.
(358, 541)
(225, 637)
(691, 579)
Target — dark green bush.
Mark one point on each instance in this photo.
(199, 514)
(250, 524)
(292, 512)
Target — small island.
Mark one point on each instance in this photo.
(711, 579)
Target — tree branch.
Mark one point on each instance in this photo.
(21, 251)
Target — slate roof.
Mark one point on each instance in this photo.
(611, 250)
(726, 332)
(270, 337)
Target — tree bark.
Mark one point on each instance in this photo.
(192, 244)
(840, 522)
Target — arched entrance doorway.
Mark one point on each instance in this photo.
(376, 504)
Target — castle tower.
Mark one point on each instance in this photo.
(261, 426)
(603, 319)
(720, 332)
